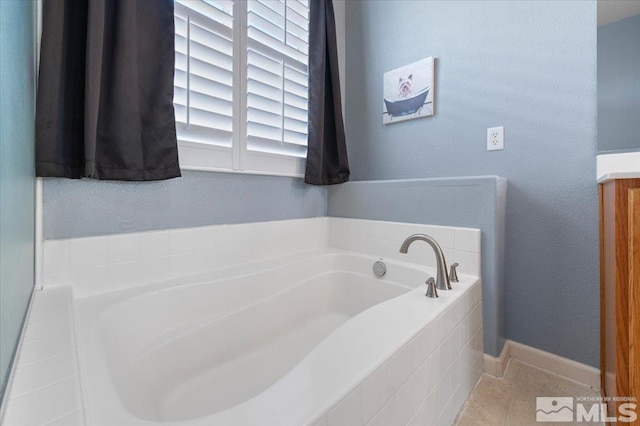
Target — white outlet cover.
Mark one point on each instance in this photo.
(495, 138)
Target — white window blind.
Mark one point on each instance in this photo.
(204, 90)
(277, 87)
(241, 84)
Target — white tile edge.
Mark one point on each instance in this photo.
(624, 165)
(4, 402)
(466, 228)
(563, 367)
(321, 224)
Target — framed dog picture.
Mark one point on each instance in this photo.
(408, 92)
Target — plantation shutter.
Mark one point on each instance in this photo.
(277, 85)
(204, 89)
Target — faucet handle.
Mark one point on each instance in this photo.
(432, 292)
(453, 275)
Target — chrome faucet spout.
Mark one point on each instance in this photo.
(442, 278)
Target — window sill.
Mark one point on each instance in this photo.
(214, 158)
(242, 172)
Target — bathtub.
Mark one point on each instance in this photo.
(308, 338)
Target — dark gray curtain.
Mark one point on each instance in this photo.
(105, 90)
(327, 161)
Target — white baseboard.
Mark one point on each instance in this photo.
(564, 367)
(497, 366)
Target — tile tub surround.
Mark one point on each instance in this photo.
(96, 265)
(476, 201)
(383, 239)
(46, 386)
(424, 382)
(428, 378)
(425, 336)
(427, 381)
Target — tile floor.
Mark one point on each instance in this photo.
(511, 400)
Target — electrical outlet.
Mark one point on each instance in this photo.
(495, 138)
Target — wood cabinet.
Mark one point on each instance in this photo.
(620, 288)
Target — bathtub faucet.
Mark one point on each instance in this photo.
(442, 279)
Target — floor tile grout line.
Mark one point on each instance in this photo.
(516, 382)
(559, 376)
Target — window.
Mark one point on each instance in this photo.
(241, 85)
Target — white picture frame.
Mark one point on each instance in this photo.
(408, 92)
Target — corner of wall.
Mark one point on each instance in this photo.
(501, 237)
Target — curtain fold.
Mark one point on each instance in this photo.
(105, 90)
(327, 161)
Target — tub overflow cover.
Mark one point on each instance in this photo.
(379, 269)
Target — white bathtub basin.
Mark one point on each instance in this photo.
(224, 351)
(269, 343)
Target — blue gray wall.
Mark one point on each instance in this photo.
(527, 65)
(477, 202)
(79, 208)
(17, 182)
(619, 86)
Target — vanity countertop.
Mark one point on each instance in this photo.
(625, 165)
(618, 175)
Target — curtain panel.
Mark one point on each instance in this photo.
(105, 90)
(327, 161)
